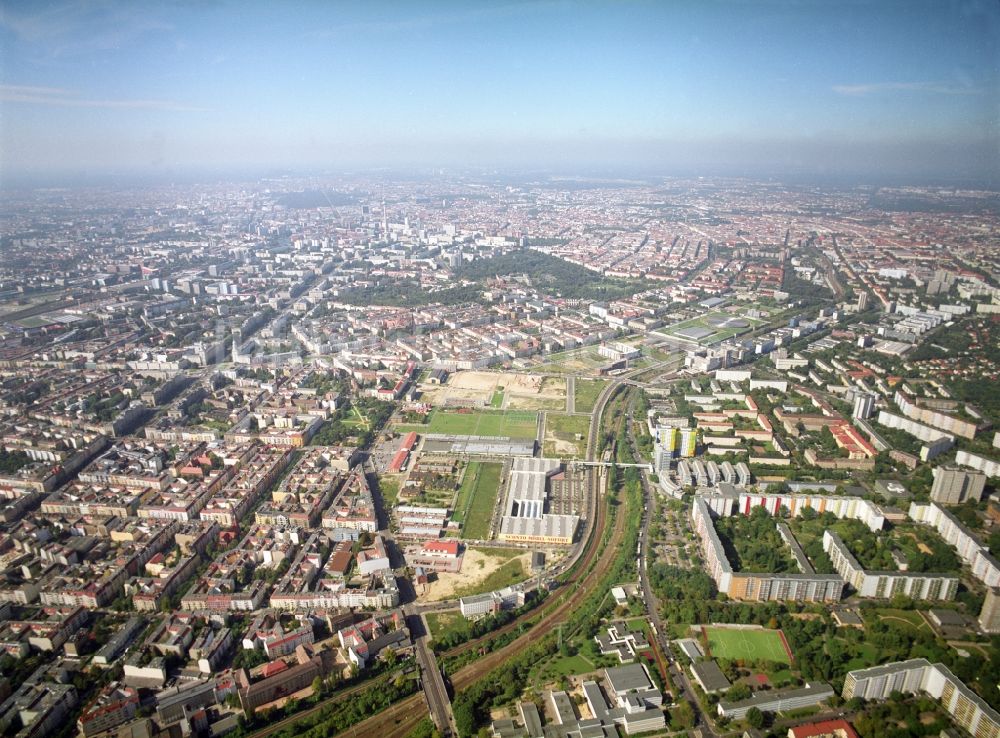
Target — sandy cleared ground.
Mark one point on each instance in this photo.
(484, 382)
(476, 566)
(476, 386)
(521, 391)
(520, 402)
(531, 385)
(560, 447)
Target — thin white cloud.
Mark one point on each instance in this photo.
(69, 99)
(465, 14)
(934, 88)
(29, 90)
(69, 27)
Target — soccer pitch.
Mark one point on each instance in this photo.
(510, 423)
(737, 643)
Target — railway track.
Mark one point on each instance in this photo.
(399, 723)
(587, 551)
(332, 700)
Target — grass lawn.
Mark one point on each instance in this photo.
(506, 554)
(637, 624)
(511, 572)
(440, 623)
(390, 492)
(905, 619)
(865, 655)
(568, 665)
(407, 427)
(659, 354)
(476, 497)
(469, 479)
(356, 420)
(497, 401)
(729, 643)
(550, 670)
(780, 677)
(513, 423)
(586, 392)
(561, 433)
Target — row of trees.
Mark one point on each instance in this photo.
(452, 638)
(338, 715)
(508, 682)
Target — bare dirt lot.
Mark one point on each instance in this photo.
(476, 567)
(519, 391)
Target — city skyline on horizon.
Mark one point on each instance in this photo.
(891, 91)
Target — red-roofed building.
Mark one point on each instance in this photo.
(825, 729)
(272, 668)
(114, 705)
(401, 457)
(848, 437)
(446, 548)
(340, 560)
(440, 556)
(398, 461)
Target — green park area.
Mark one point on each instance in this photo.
(753, 544)
(389, 488)
(923, 548)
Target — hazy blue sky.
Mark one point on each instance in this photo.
(823, 86)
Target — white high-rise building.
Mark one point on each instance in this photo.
(864, 406)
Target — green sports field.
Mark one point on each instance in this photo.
(733, 643)
(513, 423)
(476, 497)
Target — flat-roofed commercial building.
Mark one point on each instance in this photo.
(526, 517)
